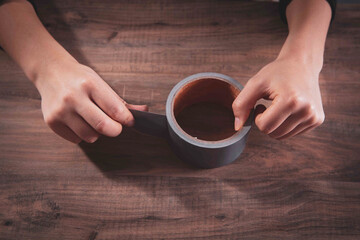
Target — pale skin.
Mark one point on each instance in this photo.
(79, 105)
(292, 80)
(76, 102)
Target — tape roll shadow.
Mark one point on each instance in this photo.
(197, 88)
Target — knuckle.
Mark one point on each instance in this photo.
(262, 127)
(56, 114)
(309, 108)
(317, 119)
(309, 113)
(85, 84)
(67, 99)
(50, 119)
(255, 83)
(117, 112)
(105, 127)
(101, 125)
(236, 104)
(313, 119)
(295, 101)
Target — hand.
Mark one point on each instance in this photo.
(78, 105)
(293, 87)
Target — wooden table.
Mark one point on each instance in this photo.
(132, 186)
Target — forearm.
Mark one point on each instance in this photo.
(25, 39)
(308, 22)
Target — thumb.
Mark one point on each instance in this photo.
(245, 102)
(144, 108)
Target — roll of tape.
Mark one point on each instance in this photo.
(197, 88)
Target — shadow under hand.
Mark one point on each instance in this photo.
(129, 153)
(132, 153)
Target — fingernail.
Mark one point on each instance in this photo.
(131, 123)
(237, 124)
(146, 108)
(92, 140)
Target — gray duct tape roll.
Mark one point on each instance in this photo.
(201, 87)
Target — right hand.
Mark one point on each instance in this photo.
(293, 87)
(78, 105)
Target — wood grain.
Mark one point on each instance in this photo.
(132, 186)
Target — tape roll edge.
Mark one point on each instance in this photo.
(173, 126)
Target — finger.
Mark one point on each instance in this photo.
(314, 122)
(290, 124)
(65, 132)
(274, 116)
(299, 128)
(81, 128)
(245, 101)
(105, 97)
(259, 110)
(306, 130)
(98, 120)
(144, 108)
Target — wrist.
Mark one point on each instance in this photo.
(304, 51)
(47, 66)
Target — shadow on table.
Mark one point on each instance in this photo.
(147, 164)
(131, 152)
(136, 154)
(131, 158)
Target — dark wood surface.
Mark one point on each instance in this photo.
(133, 187)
